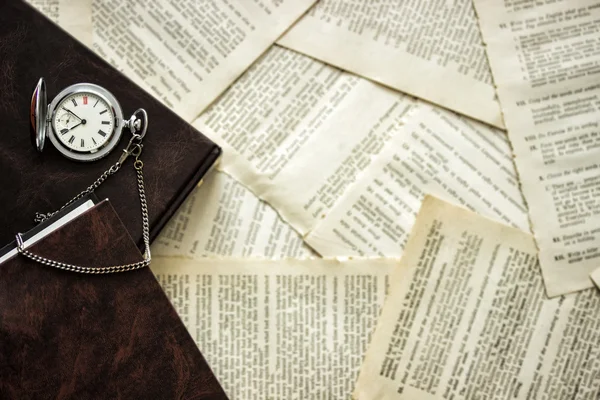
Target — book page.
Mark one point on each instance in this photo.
(545, 57)
(430, 49)
(223, 218)
(291, 329)
(467, 317)
(184, 52)
(297, 132)
(435, 152)
(74, 16)
(187, 52)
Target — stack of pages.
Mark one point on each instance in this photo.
(408, 204)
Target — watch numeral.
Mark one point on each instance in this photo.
(105, 122)
(82, 143)
(94, 141)
(96, 103)
(74, 102)
(102, 133)
(85, 100)
(71, 139)
(63, 131)
(102, 112)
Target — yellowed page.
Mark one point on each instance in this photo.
(223, 218)
(434, 152)
(74, 16)
(297, 132)
(187, 52)
(290, 329)
(545, 58)
(467, 318)
(430, 49)
(314, 144)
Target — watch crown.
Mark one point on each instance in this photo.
(136, 125)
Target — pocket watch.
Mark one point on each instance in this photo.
(84, 121)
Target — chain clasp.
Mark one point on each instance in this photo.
(137, 124)
(134, 148)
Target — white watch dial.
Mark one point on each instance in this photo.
(84, 122)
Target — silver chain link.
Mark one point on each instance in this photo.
(134, 148)
(39, 217)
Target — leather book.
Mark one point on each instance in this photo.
(65, 335)
(176, 156)
(70, 336)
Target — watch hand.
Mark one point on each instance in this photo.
(69, 111)
(81, 122)
(75, 126)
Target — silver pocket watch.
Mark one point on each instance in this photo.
(84, 121)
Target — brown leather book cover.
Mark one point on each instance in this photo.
(70, 336)
(175, 155)
(65, 335)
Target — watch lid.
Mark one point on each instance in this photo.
(39, 112)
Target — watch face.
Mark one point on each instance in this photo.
(84, 122)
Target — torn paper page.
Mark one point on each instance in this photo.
(297, 132)
(467, 317)
(292, 329)
(184, 52)
(223, 218)
(430, 49)
(303, 143)
(435, 152)
(545, 57)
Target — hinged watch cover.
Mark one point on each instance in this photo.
(102, 127)
(39, 114)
